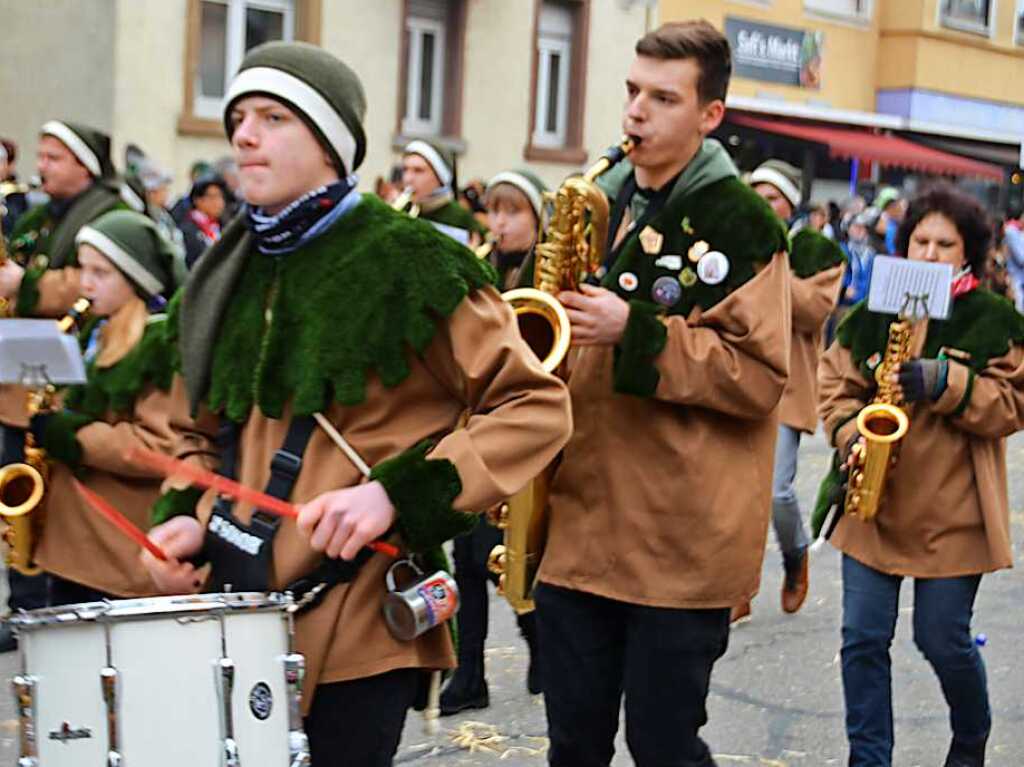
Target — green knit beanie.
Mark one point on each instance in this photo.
(318, 87)
(439, 158)
(136, 247)
(90, 146)
(526, 182)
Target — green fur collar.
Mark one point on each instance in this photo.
(982, 324)
(728, 216)
(453, 214)
(37, 233)
(354, 302)
(114, 389)
(811, 252)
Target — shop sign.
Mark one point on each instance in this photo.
(775, 54)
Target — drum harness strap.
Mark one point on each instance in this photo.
(243, 554)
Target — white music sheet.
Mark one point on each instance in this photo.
(919, 288)
(35, 352)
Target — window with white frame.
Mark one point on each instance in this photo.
(554, 61)
(967, 15)
(227, 30)
(1018, 23)
(854, 9)
(426, 27)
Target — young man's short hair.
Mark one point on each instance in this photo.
(696, 40)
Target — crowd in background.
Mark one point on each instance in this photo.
(864, 226)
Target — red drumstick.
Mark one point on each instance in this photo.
(172, 467)
(122, 522)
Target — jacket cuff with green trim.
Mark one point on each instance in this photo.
(957, 395)
(175, 503)
(28, 293)
(642, 341)
(422, 492)
(59, 438)
(845, 431)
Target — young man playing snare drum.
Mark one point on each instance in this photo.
(319, 300)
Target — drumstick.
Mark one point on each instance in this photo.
(172, 467)
(122, 522)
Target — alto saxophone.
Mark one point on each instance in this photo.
(883, 424)
(23, 485)
(570, 247)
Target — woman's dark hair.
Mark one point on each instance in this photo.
(203, 183)
(966, 213)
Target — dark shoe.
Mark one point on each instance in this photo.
(466, 690)
(795, 585)
(740, 613)
(8, 641)
(962, 755)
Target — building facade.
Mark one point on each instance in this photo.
(877, 90)
(507, 83)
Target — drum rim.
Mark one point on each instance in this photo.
(143, 608)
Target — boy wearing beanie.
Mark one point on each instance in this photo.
(816, 263)
(126, 266)
(322, 301)
(429, 172)
(515, 201)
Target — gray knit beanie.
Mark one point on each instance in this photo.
(526, 182)
(782, 176)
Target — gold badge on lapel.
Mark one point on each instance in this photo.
(688, 277)
(651, 240)
(685, 225)
(698, 249)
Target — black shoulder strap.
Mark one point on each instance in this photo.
(284, 466)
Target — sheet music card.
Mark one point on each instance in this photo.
(914, 289)
(36, 352)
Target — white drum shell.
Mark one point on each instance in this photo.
(168, 693)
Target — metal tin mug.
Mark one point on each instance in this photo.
(428, 602)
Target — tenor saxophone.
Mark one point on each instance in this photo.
(883, 424)
(23, 485)
(571, 245)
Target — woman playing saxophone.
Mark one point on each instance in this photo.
(943, 516)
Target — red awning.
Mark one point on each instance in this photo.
(884, 149)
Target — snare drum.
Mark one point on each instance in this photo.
(202, 681)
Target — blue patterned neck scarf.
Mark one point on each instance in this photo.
(304, 219)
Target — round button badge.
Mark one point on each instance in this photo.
(713, 267)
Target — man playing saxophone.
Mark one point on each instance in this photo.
(943, 518)
(660, 507)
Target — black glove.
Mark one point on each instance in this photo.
(923, 379)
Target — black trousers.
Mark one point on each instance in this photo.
(470, 552)
(65, 592)
(596, 650)
(359, 723)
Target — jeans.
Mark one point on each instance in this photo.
(597, 649)
(786, 517)
(942, 632)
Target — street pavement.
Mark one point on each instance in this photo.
(776, 698)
